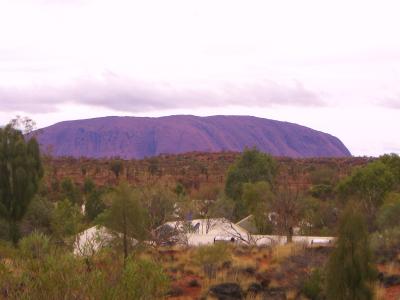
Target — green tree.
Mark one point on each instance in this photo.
(20, 173)
(392, 161)
(94, 205)
(88, 185)
(350, 270)
(66, 219)
(70, 191)
(389, 212)
(125, 215)
(370, 183)
(257, 200)
(252, 166)
(38, 216)
(116, 167)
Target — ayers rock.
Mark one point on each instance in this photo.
(134, 137)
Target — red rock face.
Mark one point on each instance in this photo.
(132, 137)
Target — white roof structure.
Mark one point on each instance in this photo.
(91, 240)
(203, 231)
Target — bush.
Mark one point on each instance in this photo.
(210, 257)
(386, 244)
(388, 214)
(38, 216)
(142, 279)
(35, 246)
(313, 286)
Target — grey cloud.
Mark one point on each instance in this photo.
(124, 94)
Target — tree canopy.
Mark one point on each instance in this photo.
(251, 167)
(350, 272)
(20, 173)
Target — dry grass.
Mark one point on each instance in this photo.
(282, 252)
(379, 292)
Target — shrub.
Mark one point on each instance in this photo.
(35, 246)
(211, 256)
(350, 272)
(313, 286)
(142, 279)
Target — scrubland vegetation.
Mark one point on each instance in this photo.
(46, 202)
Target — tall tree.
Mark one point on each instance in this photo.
(252, 166)
(350, 272)
(370, 183)
(20, 173)
(126, 215)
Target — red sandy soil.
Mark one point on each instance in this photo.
(188, 292)
(392, 293)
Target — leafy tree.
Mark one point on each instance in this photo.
(38, 216)
(94, 205)
(88, 185)
(116, 167)
(180, 190)
(66, 220)
(257, 199)
(70, 191)
(125, 215)
(392, 161)
(370, 183)
(20, 173)
(388, 214)
(350, 270)
(252, 166)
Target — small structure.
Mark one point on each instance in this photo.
(96, 238)
(206, 231)
(92, 240)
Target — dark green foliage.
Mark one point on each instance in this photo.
(70, 191)
(370, 183)
(38, 216)
(125, 214)
(313, 286)
(389, 213)
(392, 161)
(20, 173)
(94, 204)
(35, 246)
(322, 191)
(116, 167)
(66, 220)
(322, 215)
(180, 190)
(350, 271)
(88, 186)
(257, 200)
(142, 279)
(252, 166)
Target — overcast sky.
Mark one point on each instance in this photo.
(330, 65)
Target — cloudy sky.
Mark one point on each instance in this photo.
(331, 65)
